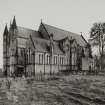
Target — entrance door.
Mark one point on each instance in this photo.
(19, 71)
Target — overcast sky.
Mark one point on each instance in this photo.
(72, 15)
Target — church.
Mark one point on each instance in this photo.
(48, 50)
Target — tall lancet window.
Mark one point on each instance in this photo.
(39, 58)
(51, 44)
(48, 59)
(42, 59)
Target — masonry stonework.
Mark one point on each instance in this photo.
(48, 50)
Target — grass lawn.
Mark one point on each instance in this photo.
(64, 90)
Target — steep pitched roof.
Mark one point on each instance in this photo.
(21, 42)
(25, 32)
(60, 34)
(43, 44)
(23, 35)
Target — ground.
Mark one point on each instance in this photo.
(60, 90)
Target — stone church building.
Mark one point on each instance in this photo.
(48, 50)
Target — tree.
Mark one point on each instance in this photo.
(97, 36)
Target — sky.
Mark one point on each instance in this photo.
(73, 15)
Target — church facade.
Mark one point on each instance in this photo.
(48, 50)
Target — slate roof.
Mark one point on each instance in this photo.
(60, 34)
(21, 42)
(43, 45)
(25, 32)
